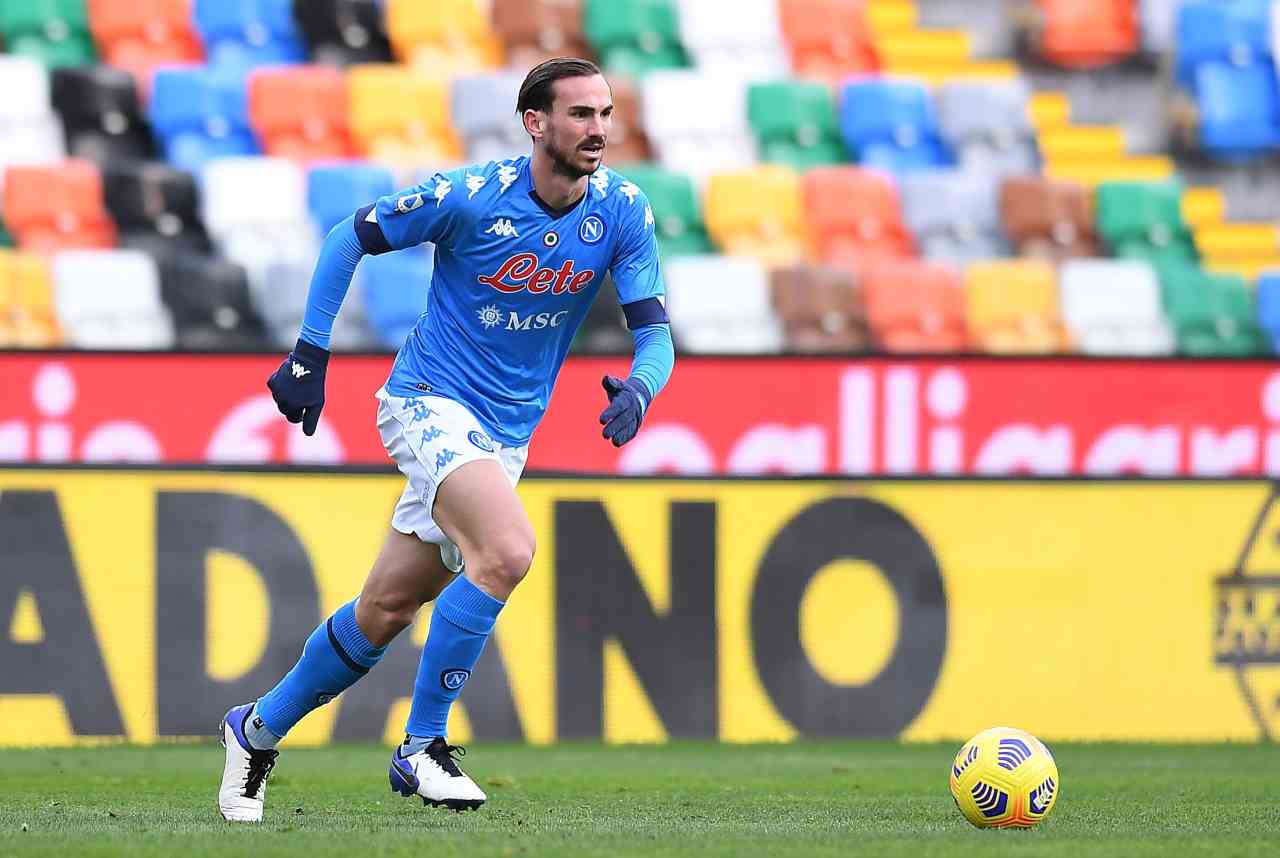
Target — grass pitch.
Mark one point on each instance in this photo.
(809, 799)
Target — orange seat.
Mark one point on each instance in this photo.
(139, 35)
(300, 111)
(1088, 33)
(915, 306)
(57, 207)
(1012, 306)
(828, 39)
(856, 216)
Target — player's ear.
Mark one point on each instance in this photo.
(534, 121)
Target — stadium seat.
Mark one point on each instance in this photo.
(758, 212)
(52, 32)
(27, 316)
(1211, 314)
(915, 307)
(891, 124)
(300, 111)
(954, 215)
(55, 207)
(395, 288)
(1268, 297)
(1158, 20)
(30, 133)
(1235, 32)
(1084, 34)
(1143, 220)
(400, 116)
(532, 31)
(746, 43)
(820, 308)
(720, 304)
(444, 38)
(201, 113)
(1112, 306)
(110, 299)
(1012, 307)
(856, 216)
(604, 328)
(153, 197)
(794, 123)
(828, 39)
(1047, 219)
(987, 125)
(991, 29)
(634, 37)
(483, 109)
(679, 225)
(247, 33)
(208, 299)
(101, 113)
(1239, 109)
(343, 32)
(227, 183)
(140, 35)
(628, 142)
(697, 123)
(335, 191)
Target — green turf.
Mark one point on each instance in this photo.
(813, 799)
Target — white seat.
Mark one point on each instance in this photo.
(251, 191)
(25, 84)
(954, 214)
(986, 122)
(483, 110)
(741, 37)
(1112, 306)
(110, 299)
(1159, 20)
(721, 304)
(698, 122)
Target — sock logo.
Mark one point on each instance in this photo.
(324, 697)
(452, 679)
(257, 723)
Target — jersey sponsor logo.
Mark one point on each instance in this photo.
(535, 321)
(490, 316)
(503, 228)
(481, 440)
(592, 230)
(406, 204)
(454, 678)
(521, 271)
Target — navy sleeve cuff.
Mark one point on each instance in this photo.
(311, 352)
(370, 234)
(646, 311)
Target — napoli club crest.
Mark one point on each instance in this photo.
(592, 230)
(453, 679)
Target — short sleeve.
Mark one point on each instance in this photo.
(637, 274)
(426, 212)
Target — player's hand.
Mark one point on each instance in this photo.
(627, 403)
(298, 385)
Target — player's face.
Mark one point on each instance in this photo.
(577, 128)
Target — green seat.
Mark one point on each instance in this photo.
(634, 37)
(677, 220)
(1143, 219)
(56, 32)
(795, 123)
(6, 240)
(1212, 314)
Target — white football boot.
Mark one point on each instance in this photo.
(434, 775)
(244, 776)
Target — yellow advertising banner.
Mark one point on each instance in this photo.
(139, 605)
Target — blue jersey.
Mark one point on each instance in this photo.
(513, 280)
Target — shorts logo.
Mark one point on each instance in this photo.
(550, 239)
(592, 230)
(453, 679)
(481, 440)
(444, 457)
(432, 433)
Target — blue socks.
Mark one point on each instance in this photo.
(461, 622)
(334, 657)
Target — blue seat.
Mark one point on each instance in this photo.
(1232, 31)
(892, 125)
(1269, 307)
(395, 291)
(249, 33)
(1239, 109)
(199, 113)
(336, 190)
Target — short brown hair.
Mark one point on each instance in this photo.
(538, 91)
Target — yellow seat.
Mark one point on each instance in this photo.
(1249, 269)
(27, 315)
(891, 16)
(1012, 306)
(1203, 206)
(1082, 142)
(1048, 110)
(918, 48)
(936, 74)
(1230, 241)
(443, 38)
(758, 212)
(1090, 172)
(400, 115)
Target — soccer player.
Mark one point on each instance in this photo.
(522, 246)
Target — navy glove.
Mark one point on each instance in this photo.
(627, 403)
(298, 385)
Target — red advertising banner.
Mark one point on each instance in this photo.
(972, 416)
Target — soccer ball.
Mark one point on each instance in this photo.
(1004, 778)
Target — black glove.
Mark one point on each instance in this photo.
(298, 385)
(627, 403)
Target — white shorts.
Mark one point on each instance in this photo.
(430, 437)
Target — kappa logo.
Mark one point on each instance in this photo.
(521, 271)
(443, 187)
(481, 440)
(629, 190)
(431, 433)
(503, 228)
(506, 177)
(299, 370)
(474, 184)
(444, 457)
(592, 230)
(454, 678)
(600, 181)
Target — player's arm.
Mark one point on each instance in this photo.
(394, 222)
(637, 275)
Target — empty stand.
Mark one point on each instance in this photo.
(698, 123)
(987, 125)
(208, 299)
(57, 207)
(1085, 34)
(300, 111)
(828, 39)
(153, 198)
(746, 43)
(201, 113)
(677, 219)
(915, 307)
(30, 133)
(1211, 314)
(54, 33)
(483, 108)
(820, 308)
(1112, 306)
(1235, 32)
(1143, 220)
(954, 214)
(627, 138)
(28, 318)
(532, 31)
(1012, 307)
(758, 212)
(443, 38)
(394, 286)
(399, 115)
(343, 32)
(856, 216)
(1239, 109)
(795, 123)
(101, 113)
(1268, 299)
(140, 35)
(1048, 219)
(892, 124)
(246, 33)
(335, 191)
(110, 299)
(721, 304)
(634, 37)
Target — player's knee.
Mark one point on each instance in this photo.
(505, 561)
(389, 613)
